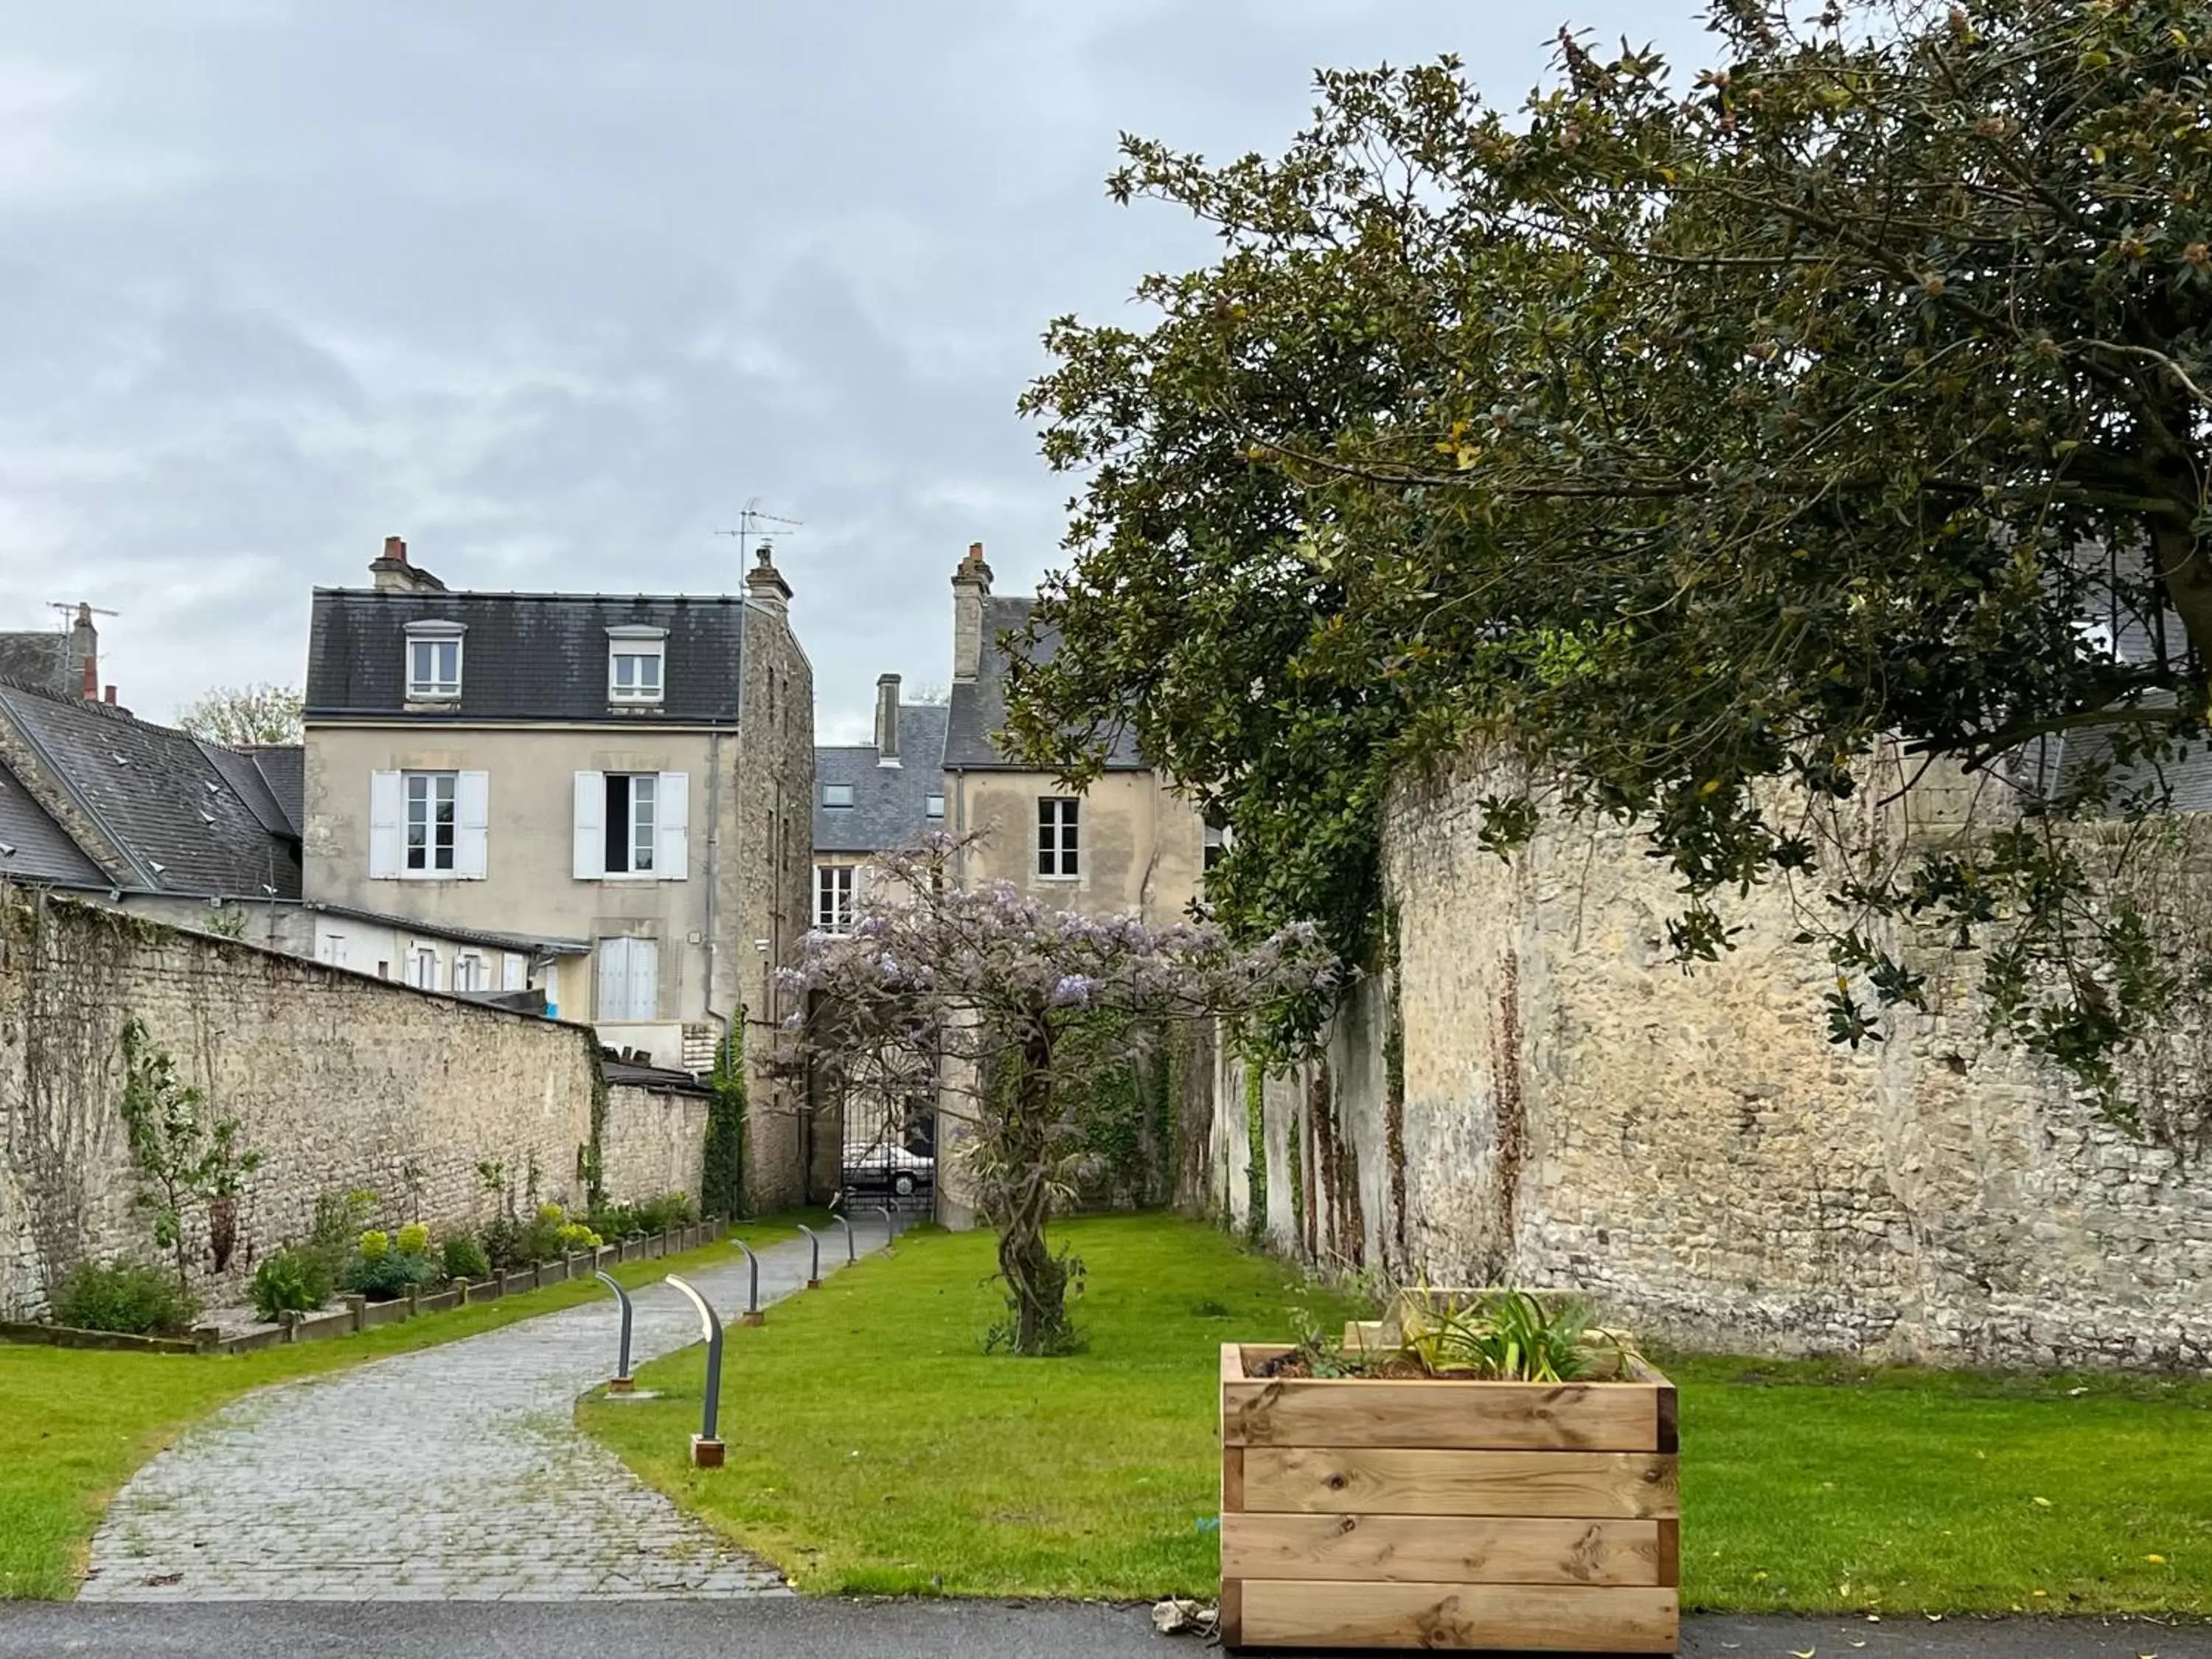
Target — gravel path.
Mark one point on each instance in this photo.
(452, 1473)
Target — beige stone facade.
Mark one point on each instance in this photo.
(678, 931)
(1574, 1110)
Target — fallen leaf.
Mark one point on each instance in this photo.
(2160, 1559)
(2075, 1393)
(2041, 1502)
(1934, 1618)
(1803, 1653)
(2038, 1592)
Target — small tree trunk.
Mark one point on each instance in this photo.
(1036, 1287)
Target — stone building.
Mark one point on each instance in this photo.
(1127, 846)
(873, 797)
(145, 818)
(634, 771)
(60, 663)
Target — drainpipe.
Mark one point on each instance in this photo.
(714, 865)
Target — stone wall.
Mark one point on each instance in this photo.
(339, 1080)
(1561, 1104)
(654, 1143)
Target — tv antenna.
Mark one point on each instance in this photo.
(69, 608)
(750, 524)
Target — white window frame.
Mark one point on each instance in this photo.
(669, 822)
(424, 640)
(837, 795)
(330, 950)
(642, 649)
(629, 980)
(932, 807)
(470, 971)
(427, 796)
(836, 886)
(640, 829)
(422, 966)
(1060, 838)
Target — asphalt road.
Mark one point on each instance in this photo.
(905, 1630)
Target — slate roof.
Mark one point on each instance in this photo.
(979, 708)
(889, 803)
(192, 816)
(284, 767)
(44, 851)
(524, 656)
(40, 660)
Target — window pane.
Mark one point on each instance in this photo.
(836, 794)
(642, 793)
(933, 805)
(625, 672)
(648, 672)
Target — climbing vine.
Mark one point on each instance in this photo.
(722, 1183)
(182, 1158)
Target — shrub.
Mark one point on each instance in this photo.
(376, 1244)
(390, 1275)
(127, 1297)
(541, 1234)
(615, 1221)
(463, 1258)
(658, 1215)
(413, 1239)
(293, 1280)
(575, 1235)
(503, 1244)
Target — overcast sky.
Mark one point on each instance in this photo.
(552, 290)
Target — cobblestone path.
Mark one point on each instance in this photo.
(455, 1472)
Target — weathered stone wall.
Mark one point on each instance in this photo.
(339, 1080)
(765, 893)
(653, 1143)
(1572, 1108)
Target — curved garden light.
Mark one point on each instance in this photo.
(620, 1382)
(814, 1272)
(852, 1252)
(706, 1449)
(753, 1315)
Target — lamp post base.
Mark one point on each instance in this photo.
(706, 1453)
(814, 1284)
(755, 1318)
(621, 1385)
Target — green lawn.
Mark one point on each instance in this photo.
(874, 1448)
(74, 1424)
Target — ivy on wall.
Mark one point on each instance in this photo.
(722, 1176)
(1255, 1130)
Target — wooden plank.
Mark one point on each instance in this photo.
(1232, 1362)
(1315, 1612)
(1230, 1625)
(1232, 1480)
(1670, 1420)
(1428, 1549)
(1670, 1552)
(1496, 1416)
(1381, 1480)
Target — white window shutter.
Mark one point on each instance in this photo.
(473, 810)
(514, 973)
(672, 858)
(591, 826)
(614, 978)
(386, 807)
(644, 978)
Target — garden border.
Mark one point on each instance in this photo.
(359, 1314)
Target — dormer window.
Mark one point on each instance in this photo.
(636, 657)
(434, 662)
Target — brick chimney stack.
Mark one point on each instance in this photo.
(84, 651)
(971, 590)
(887, 719)
(392, 574)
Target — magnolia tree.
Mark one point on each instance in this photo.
(997, 1006)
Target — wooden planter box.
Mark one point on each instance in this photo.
(1373, 1513)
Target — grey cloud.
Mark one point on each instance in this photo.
(553, 288)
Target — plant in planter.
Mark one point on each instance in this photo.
(1485, 1471)
(291, 1281)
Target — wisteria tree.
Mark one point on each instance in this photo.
(997, 1006)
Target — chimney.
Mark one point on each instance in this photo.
(110, 697)
(84, 651)
(887, 711)
(765, 583)
(971, 587)
(393, 574)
